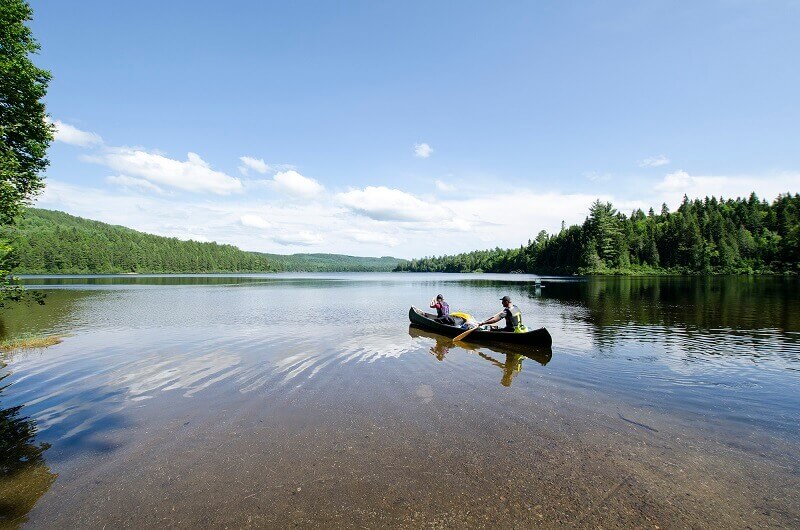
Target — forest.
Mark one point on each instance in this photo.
(52, 242)
(708, 236)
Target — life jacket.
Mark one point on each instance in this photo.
(459, 314)
(443, 309)
(514, 320)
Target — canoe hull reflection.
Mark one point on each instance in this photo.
(537, 337)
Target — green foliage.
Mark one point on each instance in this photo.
(707, 236)
(24, 132)
(332, 263)
(54, 242)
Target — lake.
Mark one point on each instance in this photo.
(306, 399)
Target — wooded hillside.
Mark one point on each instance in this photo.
(47, 241)
(706, 236)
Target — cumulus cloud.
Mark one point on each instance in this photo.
(374, 219)
(654, 161)
(293, 183)
(254, 221)
(675, 182)
(256, 164)
(73, 136)
(303, 238)
(423, 150)
(132, 183)
(507, 219)
(194, 174)
(388, 204)
(675, 185)
(224, 222)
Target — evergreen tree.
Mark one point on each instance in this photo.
(24, 133)
(702, 237)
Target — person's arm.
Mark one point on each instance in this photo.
(491, 320)
(433, 302)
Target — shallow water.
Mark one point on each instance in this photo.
(307, 399)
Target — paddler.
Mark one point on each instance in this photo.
(442, 310)
(512, 316)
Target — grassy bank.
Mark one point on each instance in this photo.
(29, 342)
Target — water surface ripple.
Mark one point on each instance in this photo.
(714, 359)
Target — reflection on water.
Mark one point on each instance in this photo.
(716, 304)
(511, 364)
(24, 474)
(143, 350)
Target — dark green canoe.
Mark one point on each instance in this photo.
(536, 337)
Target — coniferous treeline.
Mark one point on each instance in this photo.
(707, 236)
(54, 242)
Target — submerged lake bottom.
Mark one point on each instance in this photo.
(308, 400)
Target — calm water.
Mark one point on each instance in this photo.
(253, 400)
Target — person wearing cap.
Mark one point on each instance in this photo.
(442, 310)
(511, 314)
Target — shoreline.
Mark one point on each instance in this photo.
(610, 274)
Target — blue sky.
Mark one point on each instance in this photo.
(414, 128)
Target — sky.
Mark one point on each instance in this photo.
(411, 128)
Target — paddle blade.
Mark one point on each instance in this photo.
(459, 337)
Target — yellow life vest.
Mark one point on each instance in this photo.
(520, 327)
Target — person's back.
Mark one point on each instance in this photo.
(513, 317)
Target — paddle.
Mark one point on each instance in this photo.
(459, 337)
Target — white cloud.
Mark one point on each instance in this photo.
(255, 221)
(256, 164)
(378, 220)
(303, 238)
(675, 182)
(508, 219)
(194, 174)
(127, 182)
(679, 183)
(300, 224)
(73, 136)
(444, 186)
(293, 183)
(195, 159)
(388, 204)
(422, 150)
(655, 161)
(376, 238)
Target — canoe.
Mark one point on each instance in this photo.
(540, 354)
(536, 337)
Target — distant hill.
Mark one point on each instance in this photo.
(52, 242)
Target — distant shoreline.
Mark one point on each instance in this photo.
(616, 274)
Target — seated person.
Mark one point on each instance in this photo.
(512, 316)
(442, 311)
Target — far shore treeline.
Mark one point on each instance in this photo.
(710, 236)
(52, 242)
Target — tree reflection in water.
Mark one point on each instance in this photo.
(514, 354)
(24, 475)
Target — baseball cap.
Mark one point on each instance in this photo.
(439, 297)
(505, 299)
